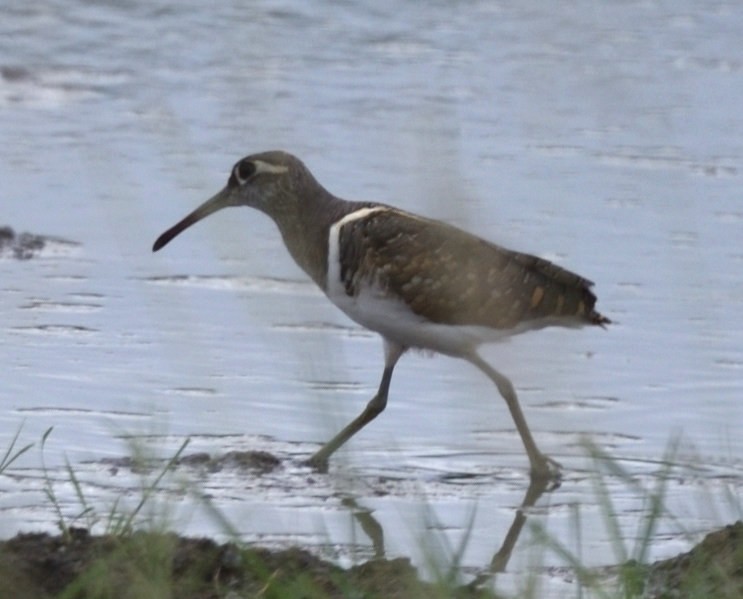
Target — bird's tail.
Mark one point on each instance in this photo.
(598, 319)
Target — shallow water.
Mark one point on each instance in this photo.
(605, 138)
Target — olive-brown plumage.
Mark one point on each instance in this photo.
(451, 277)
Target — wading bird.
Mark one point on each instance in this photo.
(418, 282)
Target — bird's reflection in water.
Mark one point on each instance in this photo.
(501, 557)
(538, 486)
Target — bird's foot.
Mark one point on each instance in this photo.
(317, 462)
(544, 468)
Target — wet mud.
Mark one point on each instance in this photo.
(77, 563)
(24, 246)
(38, 566)
(81, 565)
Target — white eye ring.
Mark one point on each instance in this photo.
(236, 172)
(259, 166)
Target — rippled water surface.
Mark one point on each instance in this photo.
(605, 137)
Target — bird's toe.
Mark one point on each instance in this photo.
(545, 468)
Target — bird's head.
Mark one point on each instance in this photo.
(265, 181)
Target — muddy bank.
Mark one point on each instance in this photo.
(713, 568)
(166, 565)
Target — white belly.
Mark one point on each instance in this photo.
(392, 319)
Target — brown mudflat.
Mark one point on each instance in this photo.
(79, 565)
(38, 566)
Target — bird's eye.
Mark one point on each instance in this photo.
(242, 172)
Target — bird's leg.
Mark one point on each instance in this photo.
(373, 409)
(542, 467)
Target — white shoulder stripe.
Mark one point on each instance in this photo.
(333, 279)
(356, 215)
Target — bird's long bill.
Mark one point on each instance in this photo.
(213, 204)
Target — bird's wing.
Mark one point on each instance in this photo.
(449, 276)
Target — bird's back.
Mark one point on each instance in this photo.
(451, 277)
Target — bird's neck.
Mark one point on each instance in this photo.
(306, 232)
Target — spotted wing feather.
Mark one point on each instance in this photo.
(449, 276)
